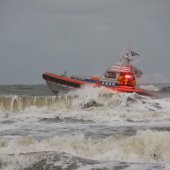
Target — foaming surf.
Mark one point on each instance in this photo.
(89, 128)
(96, 104)
(145, 146)
(150, 87)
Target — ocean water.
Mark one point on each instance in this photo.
(90, 128)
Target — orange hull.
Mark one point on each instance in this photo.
(66, 83)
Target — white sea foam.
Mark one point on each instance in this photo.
(16, 162)
(28, 126)
(96, 104)
(150, 87)
(146, 145)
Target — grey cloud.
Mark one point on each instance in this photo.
(83, 37)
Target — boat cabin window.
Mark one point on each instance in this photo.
(110, 74)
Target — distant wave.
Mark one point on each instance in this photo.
(150, 87)
(157, 87)
(165, 89)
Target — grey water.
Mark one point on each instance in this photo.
(85, 129)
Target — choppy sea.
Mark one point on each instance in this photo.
(86, 129)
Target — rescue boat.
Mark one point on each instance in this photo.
(121, 77)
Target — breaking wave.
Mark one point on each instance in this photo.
(89, 128)
(157, 87)
(150, 87)
(87, 104)
(20, 103)
(165, 89)
(150, 146)
(53, 160)
(84, 98)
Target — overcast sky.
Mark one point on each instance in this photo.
(81, 37)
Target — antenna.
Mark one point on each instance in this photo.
(126, 58)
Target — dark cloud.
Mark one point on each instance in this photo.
(82, 37)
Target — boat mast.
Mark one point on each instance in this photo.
(127, 58)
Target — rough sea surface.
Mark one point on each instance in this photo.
(90, 128)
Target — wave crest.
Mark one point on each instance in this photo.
(144, 146)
